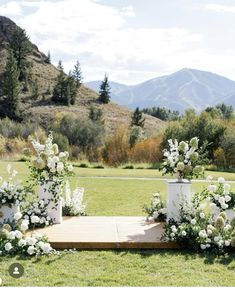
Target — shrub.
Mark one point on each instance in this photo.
(62, 141)
(148, 151)
(82, 132)
(116, 148)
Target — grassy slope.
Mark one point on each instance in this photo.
(121, 268)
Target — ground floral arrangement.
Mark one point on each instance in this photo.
(204, 224)
(30, 213)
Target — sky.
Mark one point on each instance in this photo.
(131, 40)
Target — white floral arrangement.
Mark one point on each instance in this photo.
(16, 242)
(219, 194)
(12, 192)
(73, 204)
(182, 159)
(37, 215)
(198, 229)
(49, 164)
(157, 210)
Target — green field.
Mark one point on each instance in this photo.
(115, 196)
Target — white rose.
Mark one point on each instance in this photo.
(62, 155)
(224, 206)
(221, 180)
(209, 232)
(60, 167)
(202, 215)
(11, 235)
(18, 234)
(227, 198)
(17, 216)
(8, 246)
(202, 234)
(203, 246)
(212, 188)
(227, 243)
(184, 233)
(193, 221)
(70, 168)
(35, 219)
(216, 239)
(31, 250)
(209, 178)
(46, 248)
(227, 227)
(31, 241)
(155, 215)
(21, 243)
(24, 225)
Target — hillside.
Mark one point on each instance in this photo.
(45, 75)
(187, 88)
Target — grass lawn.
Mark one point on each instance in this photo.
(121, 268)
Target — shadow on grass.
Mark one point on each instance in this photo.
(209, 258)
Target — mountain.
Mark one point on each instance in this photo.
(45, 75)
(187, 88)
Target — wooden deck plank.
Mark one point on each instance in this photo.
(103, 232)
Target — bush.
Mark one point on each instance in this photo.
(62, 141)
(116, 148)
(148, 151)
(12, 129)
(82, 132)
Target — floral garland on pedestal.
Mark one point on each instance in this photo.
(50, 169)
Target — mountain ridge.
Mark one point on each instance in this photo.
(45, 75)
(186, 88)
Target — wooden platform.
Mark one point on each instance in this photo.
(106, 233)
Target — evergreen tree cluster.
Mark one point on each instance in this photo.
(162, 113)
(66, 87)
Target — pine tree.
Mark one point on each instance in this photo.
(104, 93)
(48, 58)
(137, 118)
(59, 89)
(77, 74)
(11, 88)
(60, 65)
(21, 47)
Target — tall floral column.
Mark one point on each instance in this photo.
(182, 160)
(12, 194)
(50, 169)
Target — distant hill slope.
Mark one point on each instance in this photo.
(187, 88)
(45, 75)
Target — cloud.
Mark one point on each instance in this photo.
(103, 40)
(11, 9)
(220, 8)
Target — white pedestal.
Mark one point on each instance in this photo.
(7, 213)
(50, 194)
(177, 193)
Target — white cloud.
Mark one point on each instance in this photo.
(103, 41)
(220, 8)
(11, 9)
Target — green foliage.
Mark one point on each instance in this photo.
(11, 129)
(10, 102)
(82, 132)
(48, 58)
(62, 141)
(228, 146)
(162, 113)
(35, 90)
(96, 115)
(226, 111)
(136, 135)
(222, 111)
(104, 93)
(137, 118)
(77, 74)
(21, 47)
(209, 130)
(65, 89)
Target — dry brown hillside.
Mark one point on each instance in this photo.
(45, 75)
